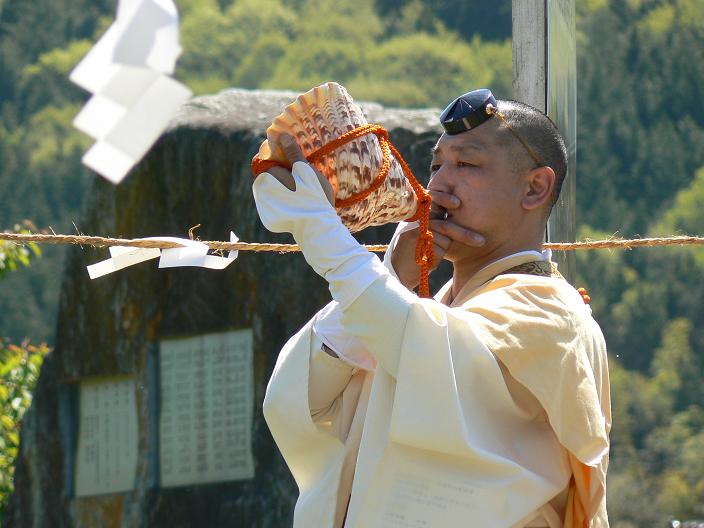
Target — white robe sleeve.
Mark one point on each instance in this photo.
(327, 326)
(378, 319)
(313, 455)
(328, 377)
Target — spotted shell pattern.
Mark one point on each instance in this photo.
(324, 114)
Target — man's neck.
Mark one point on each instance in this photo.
(465, 269)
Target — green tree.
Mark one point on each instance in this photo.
(641, 124)
(29, 29)
(658, 432)
(490, 20)
(332, 43)
(438, 66)
(686, 214)
(216, 41)
(673, 458)
(259, 65)
(677, 374)
(46, 82)
(14, 256)
(19, 370)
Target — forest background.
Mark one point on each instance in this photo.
(640, 168)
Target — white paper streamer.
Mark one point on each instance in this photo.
(193, 253)
(121, 257)
(134, 98)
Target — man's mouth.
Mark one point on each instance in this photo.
(440, 214)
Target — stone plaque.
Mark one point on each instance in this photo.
(106, 461)
(206, 408)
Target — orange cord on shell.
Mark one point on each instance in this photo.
(424, 247)
(585, 295)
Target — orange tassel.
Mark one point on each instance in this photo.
(584, 294)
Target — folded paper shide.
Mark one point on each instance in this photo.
(193, 253)
(134, 98)
(318, 118)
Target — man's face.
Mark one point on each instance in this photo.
(476, 168)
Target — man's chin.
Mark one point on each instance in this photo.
(458, 252)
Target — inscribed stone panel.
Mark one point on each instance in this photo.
(206, 408)
(106, 461)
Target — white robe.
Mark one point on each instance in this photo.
(492, 412)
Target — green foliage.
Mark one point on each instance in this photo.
(260, 64)
(641, 121)
(216, 42)
(30, 29)
(686, 214)
(490, 20)
(439, 72)
(675, 369)
(45, 83)
(14, 256)
(280, 45)
(658, 435)
(19, 371)
(649, 305)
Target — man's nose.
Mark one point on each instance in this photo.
(439, 181)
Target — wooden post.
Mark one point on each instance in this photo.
(529, 49)
(545, 76)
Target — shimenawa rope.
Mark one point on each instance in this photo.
(97, 241)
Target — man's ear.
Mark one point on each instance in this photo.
(539, 184)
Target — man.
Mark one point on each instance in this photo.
(486, 406)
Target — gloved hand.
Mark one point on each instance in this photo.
(306, 213)
(284, 210)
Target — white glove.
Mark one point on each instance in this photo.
(326, 243)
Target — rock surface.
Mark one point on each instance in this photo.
(198, 173)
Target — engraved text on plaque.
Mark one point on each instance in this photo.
(206, 408)
(106, 461)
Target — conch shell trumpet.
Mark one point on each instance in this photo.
(322, 115)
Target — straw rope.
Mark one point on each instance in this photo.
(97, 241)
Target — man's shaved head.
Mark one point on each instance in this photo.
(540, 133)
